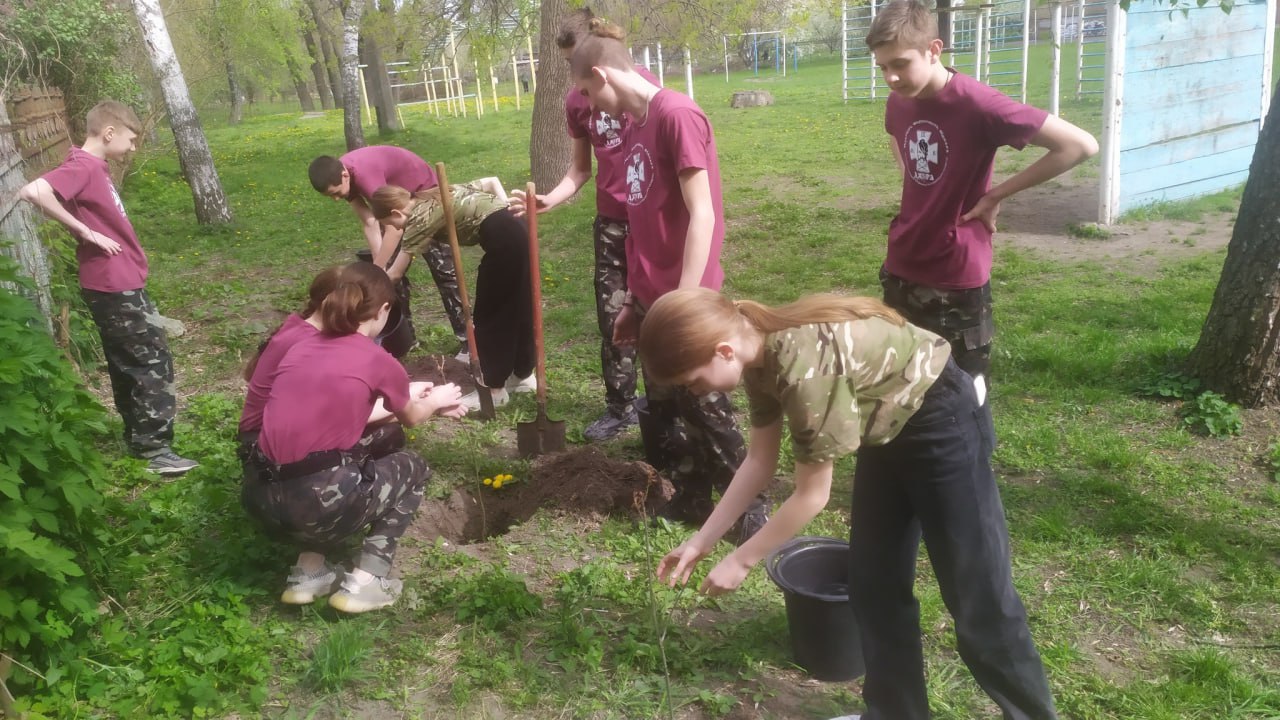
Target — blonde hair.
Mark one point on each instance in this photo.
(393, 197)
(908, 23)
(681, 330)
(110, 113)
(600, 47)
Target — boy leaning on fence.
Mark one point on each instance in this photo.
(946, 128)
(79, 194)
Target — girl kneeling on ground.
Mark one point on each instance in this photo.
(849, 374)
(310, 479)
(503, 314)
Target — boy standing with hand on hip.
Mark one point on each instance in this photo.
(676, 221)
(113, 277)
(946, 128)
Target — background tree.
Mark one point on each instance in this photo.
(193, 149)
(1237, 351)
(549, 144)
(352, 12)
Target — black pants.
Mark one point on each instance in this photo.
(935, 478)
(139, 365)
(503, 312)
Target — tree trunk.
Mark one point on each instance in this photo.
(332, 57)
(317, 70)
(381, 95)
(237, 95)
(299, 83)
(1236, 355)
(193, 149)
(351, 126)
(550, 148)
(17, 223)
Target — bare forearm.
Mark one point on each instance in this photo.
(566, 188)
(697, 248)
(40, 193)
(1051, 165)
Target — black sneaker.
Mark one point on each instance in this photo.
(749, 524)
(169, 463)
(610, 424)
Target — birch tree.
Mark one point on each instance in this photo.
(351, 15)
(193, 149)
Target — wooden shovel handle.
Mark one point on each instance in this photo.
(446, 205)
(535, 284)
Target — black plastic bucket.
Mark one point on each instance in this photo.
(813, 573)
(397, 335)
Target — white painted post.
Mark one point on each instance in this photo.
(1028, 26)
(457, 76)
(533, 67)
(784, 56)
(725, 39)
(984, 17)
(844, 51)
(874, 70)
(688, 72)
(479, 89)
(430, 74)
(493, 88)
(662, 80)
(1112, 113)
(977, 47)
(1268, 56)
(1080, 50)
(364, 96)
(1055, 75)
(646, 58)
(515, 78)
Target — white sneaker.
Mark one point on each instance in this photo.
(305, 587)
(472, 399)
(522, 385)
(356, 598)
(847, 717)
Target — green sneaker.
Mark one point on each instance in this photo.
(356, 598)
(304, 588)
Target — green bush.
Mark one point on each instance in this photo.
(1211, 414)
(50, 505)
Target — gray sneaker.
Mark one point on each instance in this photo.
(304, 588)
(610, 424)
(168, 462)
(356, 598)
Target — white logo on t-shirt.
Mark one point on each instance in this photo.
(926, 152)
(639, 174)
(607, 128)
(119, 205)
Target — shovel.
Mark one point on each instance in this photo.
(446, 203)
(543, 435)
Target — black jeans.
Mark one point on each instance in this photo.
(504, 300)
(935, 478)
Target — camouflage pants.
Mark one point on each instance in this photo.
(962, 317)
(695, 440)
(617, 364)
(139, 365)
(439, 258)
(320, 510)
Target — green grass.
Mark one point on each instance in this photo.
(1147, 557)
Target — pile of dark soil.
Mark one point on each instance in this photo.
(583, 482)
(440, 369)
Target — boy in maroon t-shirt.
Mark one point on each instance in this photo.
(676, 220)
(354, 177)
(946, 128)
(598, 131)
(113, 277)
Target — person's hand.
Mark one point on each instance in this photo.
(420, 388)
(454, 413)
(444, 399)
(626, 327)
(986, 210)
(104, 243)
(518, 202)
(678, 565)
(725, 577)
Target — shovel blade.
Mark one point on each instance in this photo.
(539, 437)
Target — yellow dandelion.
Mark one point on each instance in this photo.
(488, 481)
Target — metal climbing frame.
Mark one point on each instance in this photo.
(991, 41)
(1091, 47)
(859, 77)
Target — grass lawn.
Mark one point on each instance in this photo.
(1148, 557)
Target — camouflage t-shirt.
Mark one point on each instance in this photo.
(471, 206)
(843, 384)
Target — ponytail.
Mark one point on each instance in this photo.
(361, 291)
(321, 286)
(680, 331)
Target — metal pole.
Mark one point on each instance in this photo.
(1055, 74)
(844, 51)
(1027, 22)
(1112, 113)
(688, 72)
(662, 81)
(1080, 51)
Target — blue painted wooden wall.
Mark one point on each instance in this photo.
(1192, 99)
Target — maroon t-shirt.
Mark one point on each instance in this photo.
(83, 185)
(372, 167)
(948, 144)
(324, 389)
(293, 329)
(675, 136)
(605, 133)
